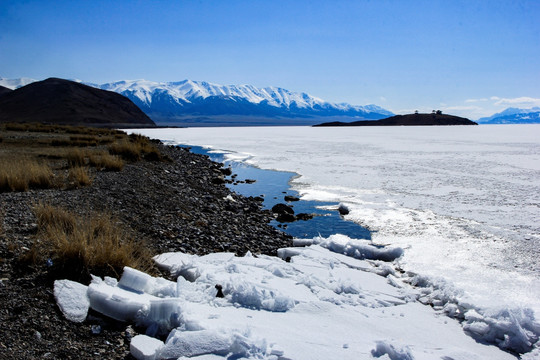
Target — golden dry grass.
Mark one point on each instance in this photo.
(67, 147)
(79, 246)
(105, 161)
(76, 157)
(79, 176)
(135, 147)
(127, 150)
(22, 174)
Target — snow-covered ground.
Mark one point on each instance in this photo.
(462, 202)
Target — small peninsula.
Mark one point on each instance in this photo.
(434, 119)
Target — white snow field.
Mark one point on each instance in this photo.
(320, 305)
(462, 202)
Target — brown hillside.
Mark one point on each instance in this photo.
(61, 101)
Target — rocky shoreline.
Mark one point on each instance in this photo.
(182, 205)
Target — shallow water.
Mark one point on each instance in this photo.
(273, 186)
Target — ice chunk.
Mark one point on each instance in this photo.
(194, 343)
(134, 280)
(287, 253)
(71, 299)
(394, 353)
(144, 347)
(161, 287)
(169, 260)
(116, 302)
(162, 316)
(251, 296)
(342, 244)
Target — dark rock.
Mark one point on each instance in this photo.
(290, 198)
(304, 216)
(285, 217)
(250, 181)
(219, 289)
(218, 180)
(282, 209)
(226, 171)
(343, 209)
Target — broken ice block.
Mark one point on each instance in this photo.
(71, 299)
(164, 309)
(116, 302)
(144, 347)
(194, 343)
(134, 280)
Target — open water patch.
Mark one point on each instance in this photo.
(273, 186)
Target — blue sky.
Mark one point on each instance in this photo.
(469, 58)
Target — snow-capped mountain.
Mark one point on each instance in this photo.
(513, 116)
(177, 101)
(15, 83)
(201, 98)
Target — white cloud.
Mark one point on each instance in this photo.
(520, 102)
(476, 100)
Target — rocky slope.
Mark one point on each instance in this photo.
(182, 205)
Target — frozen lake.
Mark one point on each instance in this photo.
(462, 201)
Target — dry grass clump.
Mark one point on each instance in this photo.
(135, 147)
(22, 174)
(105, 161)
(76, 157)
(126, 149)
(78, 247)
(79, 176)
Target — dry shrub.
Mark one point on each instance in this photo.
(105, 161)
(76, 157)
(79, 176)
(22, 174)
(135, 147)
(127, 150)
(79, 246)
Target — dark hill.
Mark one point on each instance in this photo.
(409, 120)
(67, 102)
(4, 90)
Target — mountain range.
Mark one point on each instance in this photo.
(201, 103)
(513, 116)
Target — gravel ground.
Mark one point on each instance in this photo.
(176, 206)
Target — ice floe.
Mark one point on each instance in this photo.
(310, 303)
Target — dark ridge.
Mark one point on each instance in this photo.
(433, 119)
(60, 101)
(4, 90)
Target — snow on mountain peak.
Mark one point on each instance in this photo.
(202, 97)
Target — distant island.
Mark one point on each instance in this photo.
(436, 118)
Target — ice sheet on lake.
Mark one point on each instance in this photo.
(461, 201)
